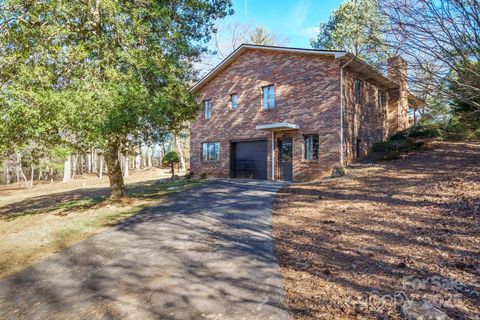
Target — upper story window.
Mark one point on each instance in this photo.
(310, 143)
(268, 97)
(210, 151)
(207, 109)
(358, 90)
(382, 99)
(234, 101)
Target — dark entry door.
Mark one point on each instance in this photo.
(249, 159)
(285, 159)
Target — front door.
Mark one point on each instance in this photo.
(285, 159)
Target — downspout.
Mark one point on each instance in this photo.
(341, 110)
(273, 155)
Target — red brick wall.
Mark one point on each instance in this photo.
(398, 107)
(365, 120)
(306, 93)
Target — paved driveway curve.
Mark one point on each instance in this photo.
(205, 253)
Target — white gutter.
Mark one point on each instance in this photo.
(341, 110)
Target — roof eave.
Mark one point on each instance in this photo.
(244, 47)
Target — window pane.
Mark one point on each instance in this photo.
(211, 151)
(358, 90)
(308, 147)
(207, 108)
(271, 97)
(382, 99)
(234, 103)
(265, 98)
(315, 147)
(204, 151)
(217, 150)
(311, 147)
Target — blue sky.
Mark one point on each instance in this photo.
(296, 20)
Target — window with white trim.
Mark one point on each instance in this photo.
(210, 151)
(268, 97)
(310, 144)
(207, 109)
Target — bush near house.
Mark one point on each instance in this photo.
(415, 138)
(419, 136)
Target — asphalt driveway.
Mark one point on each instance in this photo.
(205, 253)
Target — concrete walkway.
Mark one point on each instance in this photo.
(205, 253)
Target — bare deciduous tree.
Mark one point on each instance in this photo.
(441, 41)
(229, 36)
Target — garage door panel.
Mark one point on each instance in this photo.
(250, 159)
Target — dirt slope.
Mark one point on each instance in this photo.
(358, 246)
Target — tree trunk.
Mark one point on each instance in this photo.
(32, 172)
(74, 166)
(7, 172)
(173, 171)
(115, 177)
(94, 160)
(100, 171)
(126, 173)
(67, 170)
(149, 157)
(89, 162)
(138, 158)
(162, 150)
(80, 164)
(180, 153)
(20, 173)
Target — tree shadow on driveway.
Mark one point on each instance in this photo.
(204, 253)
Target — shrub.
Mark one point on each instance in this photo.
(392, 149)
(419, 131)
(427, 132)
(171, 159)
(456, 130)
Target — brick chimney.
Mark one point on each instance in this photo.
(398, 105)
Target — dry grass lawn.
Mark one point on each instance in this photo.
(37, 223)
(356, 247)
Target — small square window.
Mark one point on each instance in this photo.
(207, 109)
(234, 101)
(268, 97)
(210, 151)
(310, 147)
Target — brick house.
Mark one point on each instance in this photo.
(294, 114)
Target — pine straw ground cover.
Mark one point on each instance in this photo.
(356, 247)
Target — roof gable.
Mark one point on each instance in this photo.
(244, 47)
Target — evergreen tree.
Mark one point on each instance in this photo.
(357, 27)
(104, 71)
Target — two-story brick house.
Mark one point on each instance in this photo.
(293, 114)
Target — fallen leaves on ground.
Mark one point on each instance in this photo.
(357, 247)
